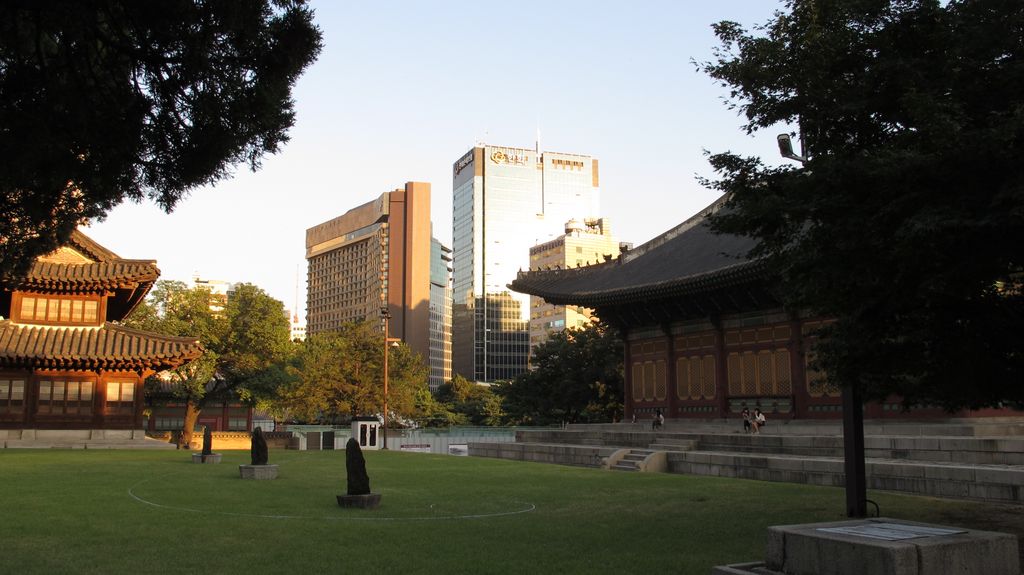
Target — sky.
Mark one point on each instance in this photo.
(402, 89)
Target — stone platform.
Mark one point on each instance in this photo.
(941, 459)
(368, 501)
(200, 458)
(882, 546)
(258, 472)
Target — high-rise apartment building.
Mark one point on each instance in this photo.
(584, 243)
(440, 314)
(506, 200)
(372, 256)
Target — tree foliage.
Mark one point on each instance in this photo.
(340, 374)
(469, 403)
(576, 376)
(106, 100)
(246, 343)
(906, 222)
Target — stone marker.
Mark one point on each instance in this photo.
(358, 480)
(258, 451)
(207, 456)
(259, 469)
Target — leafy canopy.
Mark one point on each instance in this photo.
(110, 99)
(576, 376)
(906, 223)
(246, 338)
(339, 374)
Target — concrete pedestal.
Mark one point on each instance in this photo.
(369, 501)
(257, 471)
(200, 458)
(882, 546)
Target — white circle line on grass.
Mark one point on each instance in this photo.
(529, 507)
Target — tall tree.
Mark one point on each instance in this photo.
(246, 342)
(905, 221)
(470, 402)
(112, 99)
(577, 376)
(339, 374)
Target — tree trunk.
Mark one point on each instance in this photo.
(191, 416)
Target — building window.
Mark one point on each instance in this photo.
(12, 395)
(238, 424)
(64, 310)
(759, 373)
(120, 397)
(65, 397)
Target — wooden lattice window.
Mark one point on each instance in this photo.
(65, 397)
(783, 373)
(708, 377)
(682, 378)
(649, 380)
(660, 380)
(637, 381)
(120, 397)
(58, 310)
(12, 395)
(734, 374)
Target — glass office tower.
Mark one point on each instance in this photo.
(505, 201)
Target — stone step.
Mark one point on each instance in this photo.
(973, 450)
(1000, 483)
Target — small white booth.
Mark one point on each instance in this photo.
(366, 431)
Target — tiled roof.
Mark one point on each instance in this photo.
(90, 278)
(109, 346)
(90, 248)
(687, 260)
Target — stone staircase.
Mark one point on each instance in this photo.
(632, 460)
(981, 459)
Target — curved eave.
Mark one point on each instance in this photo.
(108, 347)
(555, 286)
(92, 278)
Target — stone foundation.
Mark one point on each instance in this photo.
(200, 458)
(368, 501)
(257, 471)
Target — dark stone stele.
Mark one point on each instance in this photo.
(207, 456)
(207, 441)
(259, 451)
(358, 481)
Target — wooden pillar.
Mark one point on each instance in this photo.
(627, 376)
(797, 369)
(31, 399)
(670, 373)
(721, 369)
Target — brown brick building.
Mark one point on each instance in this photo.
(374, 255)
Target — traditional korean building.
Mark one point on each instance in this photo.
(64, 362)
(705, 335)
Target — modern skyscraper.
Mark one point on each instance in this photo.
(505, 201)
(584, 243)
(372, 256)
(440, 314)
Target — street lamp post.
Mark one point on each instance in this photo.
(388, 342)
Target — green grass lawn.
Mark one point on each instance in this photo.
(103, 511)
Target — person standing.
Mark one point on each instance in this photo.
(746, 419)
